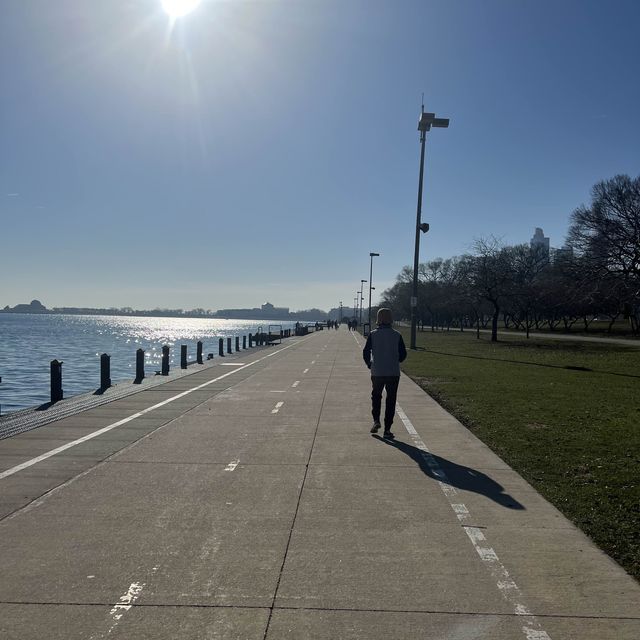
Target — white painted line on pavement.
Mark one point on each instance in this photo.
(89, 436)
(277, 407)
(277, 391)
(125, 603)
(507, 587)
(305, 371)
(295, 384)
(313, 362)
(231, 364)
(232, 465)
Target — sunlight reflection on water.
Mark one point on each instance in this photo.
(29, 342)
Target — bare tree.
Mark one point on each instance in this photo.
(607, 236)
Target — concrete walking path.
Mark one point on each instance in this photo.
(251, 502)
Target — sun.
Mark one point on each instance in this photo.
(178, 8)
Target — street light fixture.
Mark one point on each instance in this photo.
(372, 256)
(426, 121)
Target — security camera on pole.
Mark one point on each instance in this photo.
(427, 120)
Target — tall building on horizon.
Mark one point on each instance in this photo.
(540, 242)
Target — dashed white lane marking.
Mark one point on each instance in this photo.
(507, 587)
(231, 364)
(89, 436)
(277, 407)
(277, 391)
(313, 362)
(295, 384)
(125, 603)
(305, 371)
(232, 465)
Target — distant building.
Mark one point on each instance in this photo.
(563, 254)
(266, 312)
(268, 308)
(35, 306)
(540, 242)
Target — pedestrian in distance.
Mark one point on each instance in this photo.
(383, 353)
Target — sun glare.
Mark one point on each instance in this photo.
(178, 8)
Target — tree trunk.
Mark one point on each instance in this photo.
(494, 325)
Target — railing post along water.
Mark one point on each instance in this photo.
(237, 343)
(165, 360)
(105, 371)
(250, 339)
(199, 352)
(139, 366)
(229, 345)
(244, 342)
(183, 356)
(56, 380)
(221, 347)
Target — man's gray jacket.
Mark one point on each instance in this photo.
(388, 350)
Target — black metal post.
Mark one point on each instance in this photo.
(56, 381)
(250, 340)
(105, 371)
(183, 356)
(139, 365)
(244, 342)
(229, 345)
(221, 347)
(165, 360)
(199, 352)
(237, 343)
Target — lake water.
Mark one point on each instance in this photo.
(29, 342)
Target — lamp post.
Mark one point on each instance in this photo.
(361, 298)
(340, 319)
(426, 121)
(372, 256)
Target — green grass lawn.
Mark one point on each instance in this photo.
(565, 415)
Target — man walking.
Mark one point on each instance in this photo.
(386, 346)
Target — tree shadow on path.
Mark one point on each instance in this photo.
(455, 475)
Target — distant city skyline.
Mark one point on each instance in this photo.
(538, 239)
(235, 156)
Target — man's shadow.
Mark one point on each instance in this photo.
(456, 475)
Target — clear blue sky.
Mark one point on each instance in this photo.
(260, 150)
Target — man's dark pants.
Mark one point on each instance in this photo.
(378, 383)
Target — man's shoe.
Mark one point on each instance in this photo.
(388, 435)
(376, 426)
